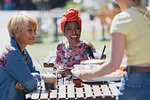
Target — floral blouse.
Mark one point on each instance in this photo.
(70, 55)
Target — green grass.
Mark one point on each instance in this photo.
(41, 50)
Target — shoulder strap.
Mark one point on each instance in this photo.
(146, 12)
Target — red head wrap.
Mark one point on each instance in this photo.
(70, 15)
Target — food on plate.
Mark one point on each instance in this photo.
(116, 73)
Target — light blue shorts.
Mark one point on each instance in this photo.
(135, 86)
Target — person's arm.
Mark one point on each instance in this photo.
(87, 43)
(117, 52)
(16, 67)
(58, 54)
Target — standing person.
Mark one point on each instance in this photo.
(130, 33)
(73, 50)
(16, 66)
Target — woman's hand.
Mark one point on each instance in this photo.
(88, 75)
(55, 67)
(62, 72)
(19, 86)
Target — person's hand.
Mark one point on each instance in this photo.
(37, 76)
(85, 75)
(68, 71)
(55, 67)
(19, 86)
(62, 72)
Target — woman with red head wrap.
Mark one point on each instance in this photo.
(70, 15)
(73, 50)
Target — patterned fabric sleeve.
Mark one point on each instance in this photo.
(58, 59)
(3, 55)
(59, 52)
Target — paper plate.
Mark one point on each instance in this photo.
(93, 61)
(110, 77)
(79, 67)
(86, 67)
(106, 78)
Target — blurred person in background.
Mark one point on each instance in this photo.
(7, 4)
(17, 71)
(130, 34)
(27, 5)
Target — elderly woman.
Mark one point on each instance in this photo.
(16, 66)
(73, 50)
(130, 31)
